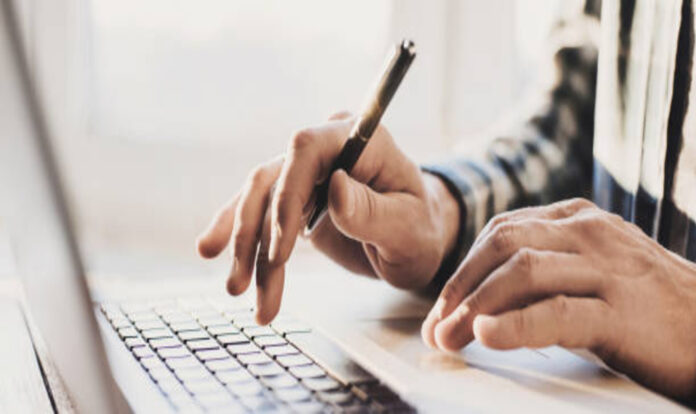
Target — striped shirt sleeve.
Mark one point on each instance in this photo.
(543, 158)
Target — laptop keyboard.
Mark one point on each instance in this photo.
(208, 355)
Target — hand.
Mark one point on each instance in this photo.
(573, 275)
(387, 219)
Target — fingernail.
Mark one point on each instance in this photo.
(439, 309)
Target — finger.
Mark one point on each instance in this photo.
(340, 115)
(346, 252)
(527, 277)
(365, 215)
(568, 322)
(493, 251)
(309, 157)
(560, 210)
(251, 208)
(270, 278)
(215, 238)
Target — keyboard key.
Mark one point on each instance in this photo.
(290, 327)
(217, 365)
(143, 352)
(256, 331)
(293, 360)
(183, 363)
(127, 333)
(234, 377)
(271, 340)
(283, 380)
(307, 407)
(193, 374)
(120, 322)
(202, 344)
(161, 374)
(156, 333)
(134, 342)
(177, 317)
(212, 354)
(193, 335)
(254, 359)
(211, 321)
(150, 363)
(150, 324)
(292, 394)
(165, 343)
(245, 389)
(247, 321)
(223, 329)
(264, 370)
(340, 397)
(321, 384)
(181, 327)
(184, 402)
(233, 339)
(307, 371)
(205, 311)
(145, 316)
(243, 349)
(172, 387)
(168, 353)
(258, 403)
(204, 386)
(275, 351)
(220, 399)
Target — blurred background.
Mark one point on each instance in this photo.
(161, 107)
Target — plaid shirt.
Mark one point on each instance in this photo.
(560, 149)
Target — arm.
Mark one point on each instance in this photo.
(542, 159)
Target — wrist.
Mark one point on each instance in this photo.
(446, 212)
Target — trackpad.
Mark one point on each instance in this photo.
(552, 372)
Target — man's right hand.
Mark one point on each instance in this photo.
(388, 219)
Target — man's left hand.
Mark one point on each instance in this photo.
(573, 275)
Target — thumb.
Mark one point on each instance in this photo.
(365, 215)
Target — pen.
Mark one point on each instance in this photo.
(402, 56)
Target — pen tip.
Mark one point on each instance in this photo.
(409, 46)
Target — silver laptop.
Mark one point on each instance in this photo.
(205, 354)
(183, 354)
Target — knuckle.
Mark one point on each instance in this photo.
(259, 176)
(242, 238)
(520, 323)
(473, 303)
(571, 207)
(498, 220)
(580, 203)
(286, 200)
(560, 307)
(370, 205)
(452, 288)
(502, 237)
(525, 262)
(303, 138)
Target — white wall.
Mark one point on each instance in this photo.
(162, 107)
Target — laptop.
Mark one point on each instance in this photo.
(206, 354)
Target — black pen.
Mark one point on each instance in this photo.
(402, 56)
